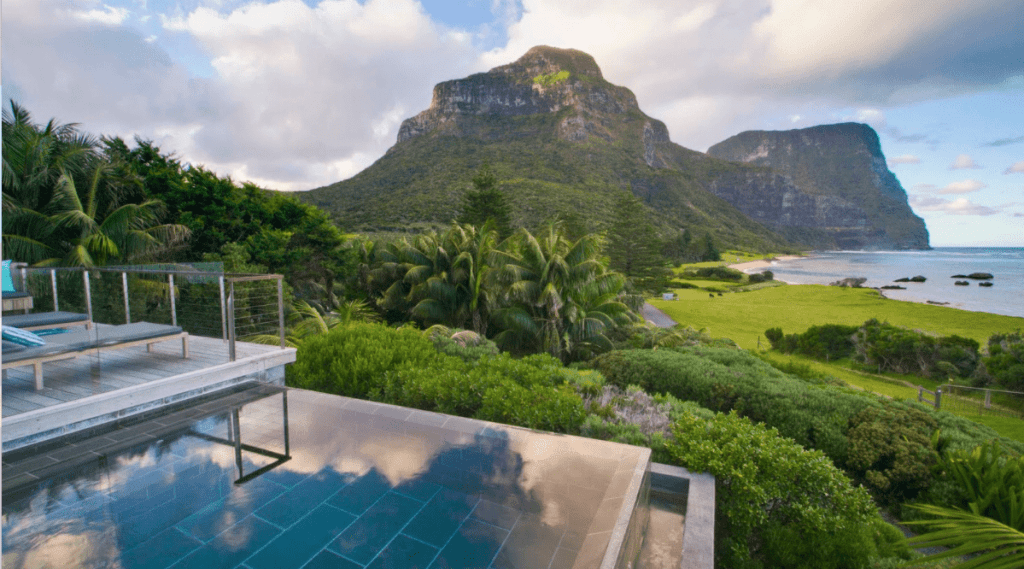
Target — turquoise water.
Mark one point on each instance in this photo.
(881, 268)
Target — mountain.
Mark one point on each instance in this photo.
(562, 141)
(836, 191)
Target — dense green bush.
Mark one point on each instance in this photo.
(825, 342)
(720, 273)
(777, 504)
(815, 416)
(557, 409)
(351, 360)
(890, 451)
(891, 348)
(725, 380)
(1005, 361)
(765, 276)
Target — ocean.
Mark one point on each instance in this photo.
(1006, 264)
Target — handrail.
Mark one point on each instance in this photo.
(227, 297)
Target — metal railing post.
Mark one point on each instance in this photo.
(174, 310)
(24, 283)
(88, 293)
(127, 310)
(231, 322)
(280, 309)
(223, 312)
(938, 397)
(53, 283)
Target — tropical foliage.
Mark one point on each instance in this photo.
(531, 294)
(68, 202)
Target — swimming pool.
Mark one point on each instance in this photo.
(268, 477)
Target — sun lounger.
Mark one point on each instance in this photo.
(44, 320)
(14, 300)
(72, 344)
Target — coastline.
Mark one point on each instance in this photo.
(763, 263)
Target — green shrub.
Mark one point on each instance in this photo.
(1005, 361)
(891, 348)
(720, 273)
(725, 380)
(777, 505)
(557, 409)
(351, 360)
(774, 336)
(992, 483)
(890, 451)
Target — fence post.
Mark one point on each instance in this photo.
(88, 293)
(988, 398)
(127, 309)
(24, 283)
(938, 397)
(174, 310)
(280, 309)
(223, 313)
(53, 283)
(231, 322)
(920, 394)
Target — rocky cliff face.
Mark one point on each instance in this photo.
(545, 81)
(564, 142)
(831, 183)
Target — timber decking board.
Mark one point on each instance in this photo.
(84, 376)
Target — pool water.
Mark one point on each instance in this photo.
(269, 477)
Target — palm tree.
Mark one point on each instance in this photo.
(453, 289)
(992, 544)
(65, 204)
(559, 295)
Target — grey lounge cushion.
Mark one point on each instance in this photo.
(15, 294)
(45, 319)
(95, 338)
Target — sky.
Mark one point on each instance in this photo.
(297, 94)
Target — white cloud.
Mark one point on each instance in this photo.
(905, 159)
(1015, 168)
(959, 206)
(962, 187)
(964, 162)
(107, 15)
(297, 94)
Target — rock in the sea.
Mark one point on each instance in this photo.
(962, 283)
(985, 284)
(851, 282)
(893, 287)
(917, 279)
(937, 302)
(980, 276)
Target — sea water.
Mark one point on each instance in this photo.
(938, 265)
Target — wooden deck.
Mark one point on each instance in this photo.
(115, 383)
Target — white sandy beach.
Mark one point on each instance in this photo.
(763, 263)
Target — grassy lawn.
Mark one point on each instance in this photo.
(745, 316)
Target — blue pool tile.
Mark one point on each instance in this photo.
(297, 545)
(242, 501)
(404, 553)
(361, 494)
(160, 551)
(496, 514)
(330, 560)
(472, 547)
(232, 546)
(373, 530)
(441, 516)
(532, 543)
(289, 506)
(418, 488)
